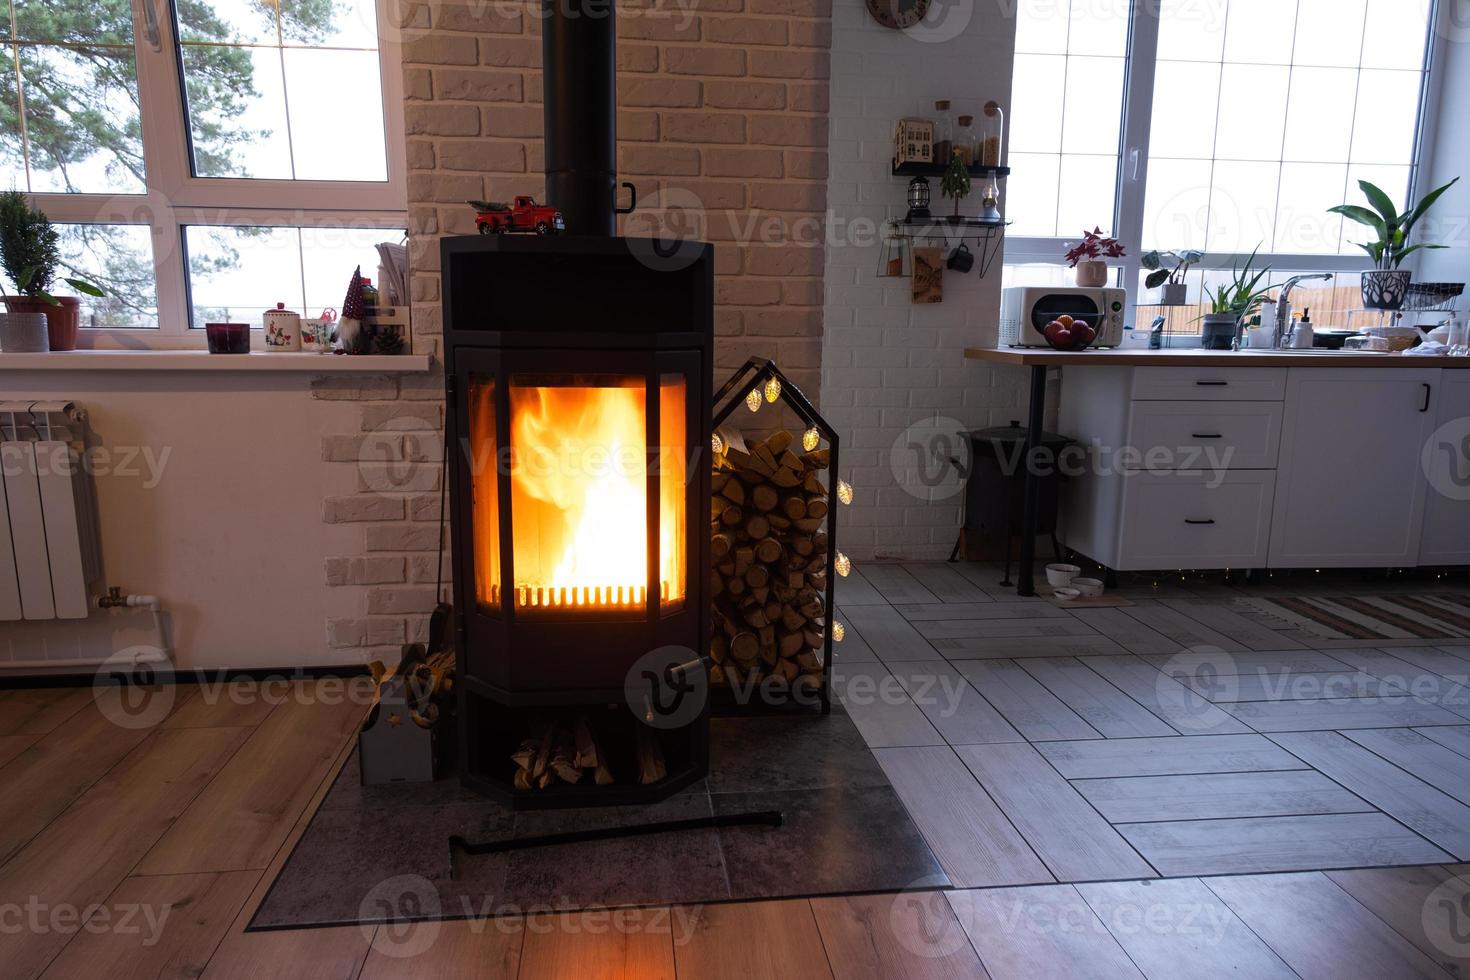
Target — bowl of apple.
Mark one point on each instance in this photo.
(1066, 333)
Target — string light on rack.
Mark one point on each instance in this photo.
(810, 439)
(753, 400)
(838, 631)
(844, 491)
(716, 443)
(773, 389)
(843, 564)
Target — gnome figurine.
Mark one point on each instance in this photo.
(352, 336)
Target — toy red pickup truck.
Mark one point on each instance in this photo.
(523, 215)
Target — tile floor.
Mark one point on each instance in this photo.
(1179, 734)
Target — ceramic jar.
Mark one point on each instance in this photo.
(282, 330)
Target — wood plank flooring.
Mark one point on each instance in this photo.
(1284, 806)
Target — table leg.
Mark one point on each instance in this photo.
(1026, 583)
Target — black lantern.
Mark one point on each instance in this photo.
(918, 199)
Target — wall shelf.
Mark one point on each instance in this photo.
(988, 235)
(938, 169)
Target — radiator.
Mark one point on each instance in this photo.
(49, 551)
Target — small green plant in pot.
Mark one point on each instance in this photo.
(1385, 287)
(30, 254)
(1167, 269)
(1232, 302)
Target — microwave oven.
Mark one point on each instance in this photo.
(1026, 310)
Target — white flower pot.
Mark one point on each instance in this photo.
(1092, 272)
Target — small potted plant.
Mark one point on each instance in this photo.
(1386, 285)
(956, 184)
(1087, 257)
(1232, 302)
(1167, 269)
(29, 254)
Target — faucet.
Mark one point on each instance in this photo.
(1283, 303)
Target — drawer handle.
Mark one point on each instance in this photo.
(1205, 435)
(1209, 520)
(1212, 384)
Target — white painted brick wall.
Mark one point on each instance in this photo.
(887, 363)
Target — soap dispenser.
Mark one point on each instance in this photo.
(1303, 336)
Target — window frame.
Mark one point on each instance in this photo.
(175, 198)
(1141, 57)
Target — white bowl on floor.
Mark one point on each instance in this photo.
(1065, 594)
(1059, 575)
(1090, 588)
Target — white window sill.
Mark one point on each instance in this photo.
(198, 360)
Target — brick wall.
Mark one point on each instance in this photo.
(722, 124)
(887, 364)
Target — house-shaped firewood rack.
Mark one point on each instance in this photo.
(756, 375)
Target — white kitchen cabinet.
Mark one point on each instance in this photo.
(1350, 490)
(1446, 463)
(1196, 520)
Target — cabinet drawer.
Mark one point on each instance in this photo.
(1177, 520)
(1209, 384)
(1205, 435)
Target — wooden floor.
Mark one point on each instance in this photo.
(1110, 809)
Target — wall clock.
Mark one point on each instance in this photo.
(899, 15)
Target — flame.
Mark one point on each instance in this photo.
(579, 498)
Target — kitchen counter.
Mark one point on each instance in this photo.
(1196, 357)
(1181, 375)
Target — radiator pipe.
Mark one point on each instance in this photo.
(116, 600)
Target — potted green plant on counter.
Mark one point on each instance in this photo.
(30, 254)
(1232, 302)
(1167, 269)
(1386, 285)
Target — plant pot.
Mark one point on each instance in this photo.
(1174, 294)
(1219, 330)
(1385, 289)
(1092, 272)
(23, 333)
(62, 318)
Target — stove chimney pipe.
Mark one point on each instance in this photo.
(579, 66)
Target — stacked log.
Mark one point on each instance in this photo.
(561, 751)
(768, 520)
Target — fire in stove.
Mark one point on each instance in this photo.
(579, 495)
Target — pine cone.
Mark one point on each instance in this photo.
(389, 340)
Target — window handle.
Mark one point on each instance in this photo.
(1133, 158)
(150, 24)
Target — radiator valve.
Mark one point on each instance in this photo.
(113, 600)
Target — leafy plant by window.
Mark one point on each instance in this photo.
(1094, 245)
(29, 249)
(1168, 266)
(1243, 294)
(1391, 246)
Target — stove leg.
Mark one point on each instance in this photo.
(1032, 485)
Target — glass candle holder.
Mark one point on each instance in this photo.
(228, 338)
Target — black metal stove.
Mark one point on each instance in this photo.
(578, 372)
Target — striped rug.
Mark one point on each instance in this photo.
(1371, 617)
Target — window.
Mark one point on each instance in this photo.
(207, 158)
(1223, 125)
